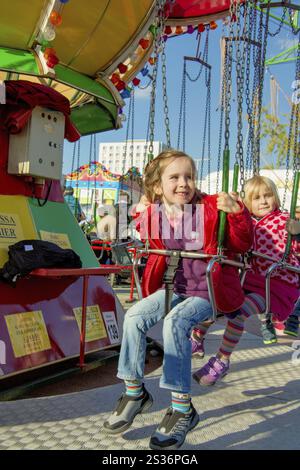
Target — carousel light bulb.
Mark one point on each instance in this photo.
(213, 25)
(44, 43)
(178, 30)
(49, 51)
(190, 29)
(55, 18)
(153, 30)
(49, 33)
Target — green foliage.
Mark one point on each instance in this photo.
(276, 135)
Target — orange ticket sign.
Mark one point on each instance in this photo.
(28, 333)
(95, 328)
(60, 239)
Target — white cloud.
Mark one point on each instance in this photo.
(286, 43)
(142, 94)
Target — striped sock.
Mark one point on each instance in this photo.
(134, 388)
(254, 304)
(200, 330)
(181, 402)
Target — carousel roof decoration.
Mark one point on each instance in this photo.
(98, 171)
(95, 52)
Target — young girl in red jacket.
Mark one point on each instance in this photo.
(270, 237)
(173, 217)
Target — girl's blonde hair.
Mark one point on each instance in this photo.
(252, 187)
(154, 171)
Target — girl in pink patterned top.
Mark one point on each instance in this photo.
(270, 237)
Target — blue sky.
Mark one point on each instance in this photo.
(176, 49)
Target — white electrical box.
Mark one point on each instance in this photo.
(38, 149)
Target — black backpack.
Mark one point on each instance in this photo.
(27, 255)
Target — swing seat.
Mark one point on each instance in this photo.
(122, 255)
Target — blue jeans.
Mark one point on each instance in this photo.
(184, 315)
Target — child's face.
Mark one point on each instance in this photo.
(263, 202)
(177, 182)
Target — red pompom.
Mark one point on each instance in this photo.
(115, 78)
(144, 43)
(122, 68)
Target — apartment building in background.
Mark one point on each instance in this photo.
(111, 155)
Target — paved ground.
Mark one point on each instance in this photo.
(256, 406)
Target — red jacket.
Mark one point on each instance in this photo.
(238, 239)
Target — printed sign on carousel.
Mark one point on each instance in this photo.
(27, 332)
(10, 229)
(95, 328)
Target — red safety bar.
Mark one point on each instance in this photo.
(85, 272)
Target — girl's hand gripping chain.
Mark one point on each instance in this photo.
(228, 203)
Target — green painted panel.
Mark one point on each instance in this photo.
(19, 61)
(92, 118)
(57, 218)
(83, 82)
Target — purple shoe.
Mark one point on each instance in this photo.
(197, 348)
(211, 372)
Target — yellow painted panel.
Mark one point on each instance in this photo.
(18, 21)
(15, 223)
(93, 33)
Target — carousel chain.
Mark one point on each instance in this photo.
(296, 156)
(146, 143)
(293, 132)
(204, 58)
(165, 96)
(249, 102)
(160, 23)
(260, 90)
(73, 156)
(127, 135)
(206, 128)
(182, 110)
(284, 12)
(222, 103)
(89, 174)
(132, 129)
(131, 147)
(257, 65)
(77, 178)
(209, 131)
(240, 75)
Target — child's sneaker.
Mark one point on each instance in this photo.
(292, 325)
(126, 410)
(212, 371)
(172, 431)
(279, 328)
(197, 348)
(268, 332)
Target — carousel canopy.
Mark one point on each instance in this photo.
(182, 11)
(87, 40)
(88, 51)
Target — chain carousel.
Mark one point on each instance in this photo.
(58, 83)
